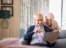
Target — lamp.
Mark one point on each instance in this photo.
(4, 14)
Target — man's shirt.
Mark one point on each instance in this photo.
(38, 37)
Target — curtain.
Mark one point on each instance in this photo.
(28, 9)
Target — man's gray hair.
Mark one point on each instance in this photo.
(39, 14)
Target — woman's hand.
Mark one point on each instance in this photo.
(55, 31)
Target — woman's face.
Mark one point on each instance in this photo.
(49, 22)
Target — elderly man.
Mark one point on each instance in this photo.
(51, 23)
(35, 33)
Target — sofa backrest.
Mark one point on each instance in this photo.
(62, 34)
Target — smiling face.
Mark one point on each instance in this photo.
(39, 19)
(49, 22)
(49, 19)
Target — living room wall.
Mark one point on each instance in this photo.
(0, 4)
(14, 22)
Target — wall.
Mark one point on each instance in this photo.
(0, 4)
(14, 22)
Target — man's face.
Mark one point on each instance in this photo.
(49, 22)
(39, 20)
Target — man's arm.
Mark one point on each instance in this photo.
(29, 33)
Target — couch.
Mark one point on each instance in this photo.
(60, 42)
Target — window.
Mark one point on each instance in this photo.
(55, 8)
(58, 7)
(64, 15)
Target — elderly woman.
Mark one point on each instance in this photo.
(51, 23)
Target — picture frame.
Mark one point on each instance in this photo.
(7, 2)
(8, 8)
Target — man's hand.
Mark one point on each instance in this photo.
(38, 30)
(51, 40)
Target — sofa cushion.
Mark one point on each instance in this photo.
(60, 43)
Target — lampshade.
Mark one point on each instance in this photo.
(5, 14)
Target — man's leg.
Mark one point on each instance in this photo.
(40, 45)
